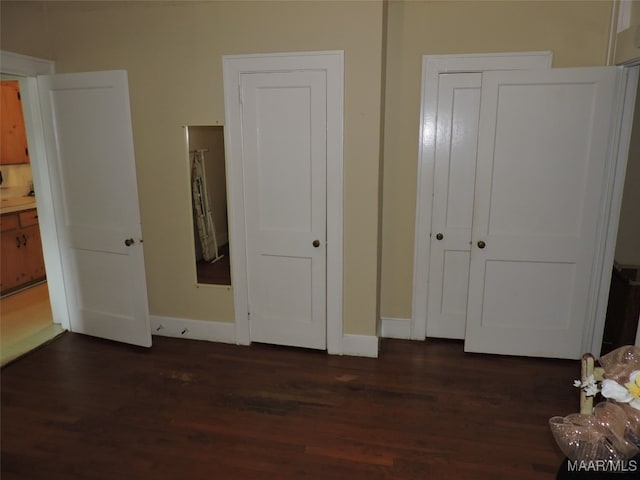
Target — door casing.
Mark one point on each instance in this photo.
(332, 62)
(29, 68)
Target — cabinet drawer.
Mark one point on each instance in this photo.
(8, 222)
(28, 218)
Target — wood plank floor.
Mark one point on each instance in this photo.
(87, 408)
(26, 321)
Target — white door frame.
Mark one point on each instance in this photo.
(332, 62)
(30, 68)
(432, 67)
(611, 205)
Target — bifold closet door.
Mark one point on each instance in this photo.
(543, 150)
(454, 171)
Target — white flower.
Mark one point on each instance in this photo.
(617, 392)
(590, 386)
(591, 390)
(634, 389)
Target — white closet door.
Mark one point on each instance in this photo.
(284, 130)
(542, 152)
(455, 164)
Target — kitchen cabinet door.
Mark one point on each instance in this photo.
(11, 271)
(33, 260)
(13, 139)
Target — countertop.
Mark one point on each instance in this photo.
(17, 204)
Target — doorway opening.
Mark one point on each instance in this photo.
(209, 204)
(27, 318)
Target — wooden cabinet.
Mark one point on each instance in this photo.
(20, 250)
(13, 136)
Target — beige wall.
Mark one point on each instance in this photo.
(575, 31)
(173, 52)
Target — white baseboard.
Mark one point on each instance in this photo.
(356, 345)
(396, 328)
(193, 329)
(360, 345)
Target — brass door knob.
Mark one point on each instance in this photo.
(439, 236)
(129, 241)
(481, 244)
(316, 243)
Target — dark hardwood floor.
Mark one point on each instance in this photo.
(218, 272)
(85, 408)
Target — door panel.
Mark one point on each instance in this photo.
(455, 159)
(542, 151)
(284, 147)
(88, 135)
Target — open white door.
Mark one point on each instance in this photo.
(284, 131)
(544, 138)
(88, 135)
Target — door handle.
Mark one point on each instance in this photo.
(481, 244)
(439, 236)
(316, 243)
(129, 241)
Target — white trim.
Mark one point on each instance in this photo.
(360, 345)
(624, 15)
(25, 66)
(612, 201)
(233, 66)
(611, 42)
(396, 328)
(432, 67)
(192, 329)
(29, 68)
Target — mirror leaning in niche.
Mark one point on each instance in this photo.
(209, 204)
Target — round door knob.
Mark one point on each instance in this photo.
(439, 236)
(316, 243)
(481, 244)
(129, 241)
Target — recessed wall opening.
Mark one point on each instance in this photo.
(209, 204)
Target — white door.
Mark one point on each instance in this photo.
(542, 151)
(458, 110)
(284, 146)
(88, 135)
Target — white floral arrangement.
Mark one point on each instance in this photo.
(611, 431)
(628, 393)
